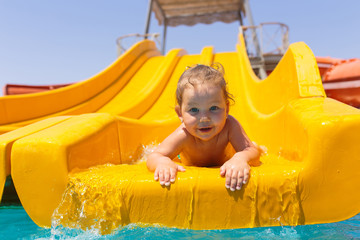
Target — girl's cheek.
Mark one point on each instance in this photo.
(190, 121)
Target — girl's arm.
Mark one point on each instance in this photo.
(160, 161)
(237, 170)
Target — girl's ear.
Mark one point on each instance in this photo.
(178, 112)
(227, 107)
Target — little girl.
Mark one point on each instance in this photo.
(205, 132)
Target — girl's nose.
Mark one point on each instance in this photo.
(204, 118)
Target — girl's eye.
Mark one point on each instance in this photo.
(194, 110)
(214, 108)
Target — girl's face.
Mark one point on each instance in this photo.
(204, 110)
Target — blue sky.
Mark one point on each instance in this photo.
(53, 41)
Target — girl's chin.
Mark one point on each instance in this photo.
(205, 136)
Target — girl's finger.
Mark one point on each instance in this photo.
(181, 168)
(234, 180)
(240, 180)
(167, 177)
(228, 178)
(222, 171)
(172, 175)
(161, 177)
(156, 175)
(246, 175)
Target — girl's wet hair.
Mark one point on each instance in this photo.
(202, 74)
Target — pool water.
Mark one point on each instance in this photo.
(15, 224)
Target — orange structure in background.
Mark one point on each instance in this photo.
(14, 89)
(341, 80)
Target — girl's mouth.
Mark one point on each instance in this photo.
(205, 129)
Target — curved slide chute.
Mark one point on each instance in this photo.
(82, 97)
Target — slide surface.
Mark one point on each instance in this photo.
(78, 161)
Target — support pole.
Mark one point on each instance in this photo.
(255, 40)
(147, 26)
(241, 25)
(241, 18)
(164, 38)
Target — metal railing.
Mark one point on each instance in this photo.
(125, 42)
(274, 38)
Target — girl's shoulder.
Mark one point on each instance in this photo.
(232, 122)
(234, 127)
(181, 133)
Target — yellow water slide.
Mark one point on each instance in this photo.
(86, 170)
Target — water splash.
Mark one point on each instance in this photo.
(93, 199)
(146, 150)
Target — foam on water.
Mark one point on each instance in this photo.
(15, 224)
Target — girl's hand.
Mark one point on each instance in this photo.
(166, 171)
(237, 171)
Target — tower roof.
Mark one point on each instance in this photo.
(191, 12)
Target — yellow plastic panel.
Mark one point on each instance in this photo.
(50, 154)
(331, 173)
(7, 140)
